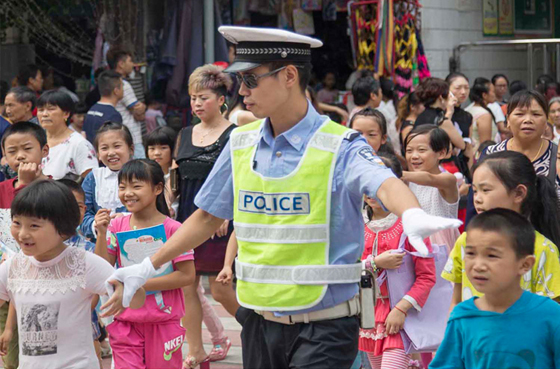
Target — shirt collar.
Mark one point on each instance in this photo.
(109, 173)
(299, 134)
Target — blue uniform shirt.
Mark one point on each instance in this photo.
(357, 172)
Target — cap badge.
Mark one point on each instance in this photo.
(284, 54)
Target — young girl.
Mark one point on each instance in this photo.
(383, 344)
(507, 180)
(484, 126)
(150, 337)
(51, 284)
(114, 147)
(159, 145)
(372, 125)
(437, 191)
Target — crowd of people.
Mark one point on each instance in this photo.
(76, 179)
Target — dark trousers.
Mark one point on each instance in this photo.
(318, 345)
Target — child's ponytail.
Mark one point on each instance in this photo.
(146, 170)
(544, 214)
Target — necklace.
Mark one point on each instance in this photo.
(206, 134)
(538, 152)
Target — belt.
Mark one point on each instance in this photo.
(345, 309)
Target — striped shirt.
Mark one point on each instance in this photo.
(127, 102)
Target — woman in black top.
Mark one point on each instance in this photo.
(440, 106)
(197, 150)
(408, 110)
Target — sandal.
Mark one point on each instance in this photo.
(220, 350)
(191, 363)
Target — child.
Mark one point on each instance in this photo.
(508, 180)
(328, 94)
(150, 337)
(372, 125)
(437, 191)
(51, 284)
(153, 113)
(383, 344)
(160, 145)
(24, 145)
(506, 327)
(114, 147)
(77, 120)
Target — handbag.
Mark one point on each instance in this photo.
(423, 330)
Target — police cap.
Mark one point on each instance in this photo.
(256, 46)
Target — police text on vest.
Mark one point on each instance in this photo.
(273, 203)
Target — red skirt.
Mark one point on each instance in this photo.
(376, 340)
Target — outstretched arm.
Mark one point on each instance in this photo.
(192, 233)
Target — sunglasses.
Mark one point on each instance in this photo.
(251, 80)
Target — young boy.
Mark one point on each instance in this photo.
(24, 146)
(507, 327)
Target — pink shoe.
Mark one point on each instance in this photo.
(220, 350)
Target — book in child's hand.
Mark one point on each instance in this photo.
(136, 245)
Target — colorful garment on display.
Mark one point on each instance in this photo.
(406, 47)
(365, 35)
(423, 68)
(385, 40)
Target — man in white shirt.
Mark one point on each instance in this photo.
(132, 110)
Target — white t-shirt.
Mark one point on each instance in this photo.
(70, 158)
(128, 101)
(53, 304)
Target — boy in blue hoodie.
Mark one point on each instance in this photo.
(507, 327)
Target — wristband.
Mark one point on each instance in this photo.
(402, 311)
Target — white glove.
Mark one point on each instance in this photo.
(133, 277)
(417, 225)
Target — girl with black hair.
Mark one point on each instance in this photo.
(383, 345)
(436, 189)
(70, 155)
(51, 284)
(141, 337)
(484, 126)
(508, 180)
(114, 147)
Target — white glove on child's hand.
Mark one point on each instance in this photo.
(133, 277)
(417, 225)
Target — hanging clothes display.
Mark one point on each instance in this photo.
(386, 39)
(363, 20)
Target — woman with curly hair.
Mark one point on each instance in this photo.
(196, 151)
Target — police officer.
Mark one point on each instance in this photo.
(293, 183)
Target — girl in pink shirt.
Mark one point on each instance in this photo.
(383, 230)
(150, 337)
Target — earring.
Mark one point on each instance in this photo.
(224, 108)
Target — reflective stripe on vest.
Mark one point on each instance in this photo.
(302, 274)
(282, 224)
